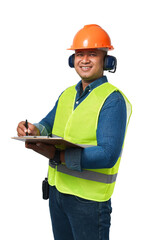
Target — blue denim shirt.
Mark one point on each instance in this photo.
(110, 131)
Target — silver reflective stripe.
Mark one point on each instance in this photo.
(85, 146)
(86, 174)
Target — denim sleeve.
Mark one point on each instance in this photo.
(110, 137)
(73, 158)
(42, 129)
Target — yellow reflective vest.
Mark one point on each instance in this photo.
(79, 126)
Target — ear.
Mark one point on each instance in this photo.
(110, 63)
(71, 60)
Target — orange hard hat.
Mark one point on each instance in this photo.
(91, 36)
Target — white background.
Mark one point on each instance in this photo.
(34, 36)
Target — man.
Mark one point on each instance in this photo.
(93, 113)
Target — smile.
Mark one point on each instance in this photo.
(85, 68)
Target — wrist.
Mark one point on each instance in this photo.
(56, 159)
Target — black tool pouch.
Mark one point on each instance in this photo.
(45, 189)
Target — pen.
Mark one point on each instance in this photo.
(26, 125)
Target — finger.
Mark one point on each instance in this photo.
(33, 146)
(37, 149)
(20, 133)
(33, 130)
(45, 147)
(21, 129)
(46, 150)
(36, 146)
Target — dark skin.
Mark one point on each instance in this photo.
(89, 66)
(41, 148)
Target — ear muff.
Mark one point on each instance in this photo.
(110, 63)
(71, 60)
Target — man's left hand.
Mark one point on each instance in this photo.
(47, 150)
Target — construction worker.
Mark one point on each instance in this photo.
(95, 114)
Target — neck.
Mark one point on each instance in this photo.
(85, 83)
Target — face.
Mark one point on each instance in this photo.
(89, 64)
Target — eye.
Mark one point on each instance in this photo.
(93, 54)
(79, 54)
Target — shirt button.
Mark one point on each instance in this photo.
(77, 102)
(89, 90)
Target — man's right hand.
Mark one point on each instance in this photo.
(32, 130)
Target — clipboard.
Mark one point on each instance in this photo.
(58, 142)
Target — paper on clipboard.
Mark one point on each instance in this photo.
(58, 142)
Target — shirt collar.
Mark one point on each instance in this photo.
(92, 85)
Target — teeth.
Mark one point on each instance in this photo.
(85, 68)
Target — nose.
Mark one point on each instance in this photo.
(85, 59)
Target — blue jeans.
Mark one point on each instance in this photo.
(74, 218)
